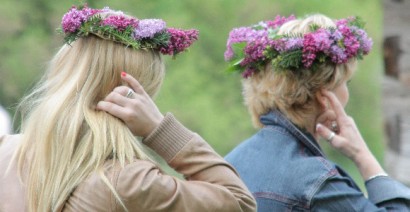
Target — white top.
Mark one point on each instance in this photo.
(5, 122)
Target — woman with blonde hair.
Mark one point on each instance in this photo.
(295, 87)
(72, 155)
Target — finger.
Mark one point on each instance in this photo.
(327, 116)
(325, 133)
(122, 90)
(112, 109)
(335, 103)
(117, 98)
(133, 83)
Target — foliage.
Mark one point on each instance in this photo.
(197, 89)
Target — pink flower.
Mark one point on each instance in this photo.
(73, 19)
(279, 21)
(179, 40)
(120, 22)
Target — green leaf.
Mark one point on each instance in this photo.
(238, 49)
(273, 34)
(289, 60)
(358, 22)
(314, 27)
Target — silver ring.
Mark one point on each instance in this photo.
(334, 126)
(130, 93)
(331, 136)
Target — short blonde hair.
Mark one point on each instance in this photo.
(293, 92)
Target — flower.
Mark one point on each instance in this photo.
(243, 34)
(366, 43)
(73, 19)
(148, 28)
(116, 26)
(318, 41)
(279, 21)
(179, 41)
(250, 48)
(120, 22)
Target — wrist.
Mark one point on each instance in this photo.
(368, 166)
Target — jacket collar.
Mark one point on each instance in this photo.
(275, 117)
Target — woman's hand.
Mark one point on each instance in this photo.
(348, 139)
(134, 107)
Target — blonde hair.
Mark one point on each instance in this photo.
(293, 92)
(64, 137)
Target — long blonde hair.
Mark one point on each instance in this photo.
(64, 137)
(293, 93)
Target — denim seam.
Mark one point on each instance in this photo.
(280, 198)
(280, 130)
(318, 183)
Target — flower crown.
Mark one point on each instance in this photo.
(249, 49)
(138, 34)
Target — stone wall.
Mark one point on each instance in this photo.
(396, 88)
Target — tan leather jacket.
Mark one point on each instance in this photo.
(211, 183)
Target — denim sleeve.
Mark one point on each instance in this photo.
(385, 194)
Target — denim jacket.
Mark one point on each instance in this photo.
(286, 170)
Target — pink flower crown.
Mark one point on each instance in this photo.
(138, 34)
(249, 49)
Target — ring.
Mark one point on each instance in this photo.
(331, 136)
(334, 126)
(130, 93)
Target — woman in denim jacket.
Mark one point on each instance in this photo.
(295, 87)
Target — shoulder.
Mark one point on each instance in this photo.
(132, 183)
(264, 141)
(273, 164)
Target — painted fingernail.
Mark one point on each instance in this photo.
(123, 74)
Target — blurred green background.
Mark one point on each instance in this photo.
(196, 89)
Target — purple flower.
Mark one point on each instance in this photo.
(337, 55)
(279, 21)
(322, 39)
(120, 22)
(336, 45)
(287, 44)
(179, 40)
(293, 43)
(73, 19)
(243, 34)
(147, 28)
(365, 42)
(248, 72)
(309, 50)
(254, 52)
(350, 41)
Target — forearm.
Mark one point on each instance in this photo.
(191, 156)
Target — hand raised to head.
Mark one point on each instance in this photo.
(133, 106)
(347, 139)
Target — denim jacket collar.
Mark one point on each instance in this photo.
(275, 117)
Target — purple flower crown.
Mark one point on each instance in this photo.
(138, 34)
(249, 49)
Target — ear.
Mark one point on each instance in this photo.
(322, 99)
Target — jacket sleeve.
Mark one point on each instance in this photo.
(210, 184)
(385, 194)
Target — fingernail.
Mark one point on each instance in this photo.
(318, 126)
(123, 74)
